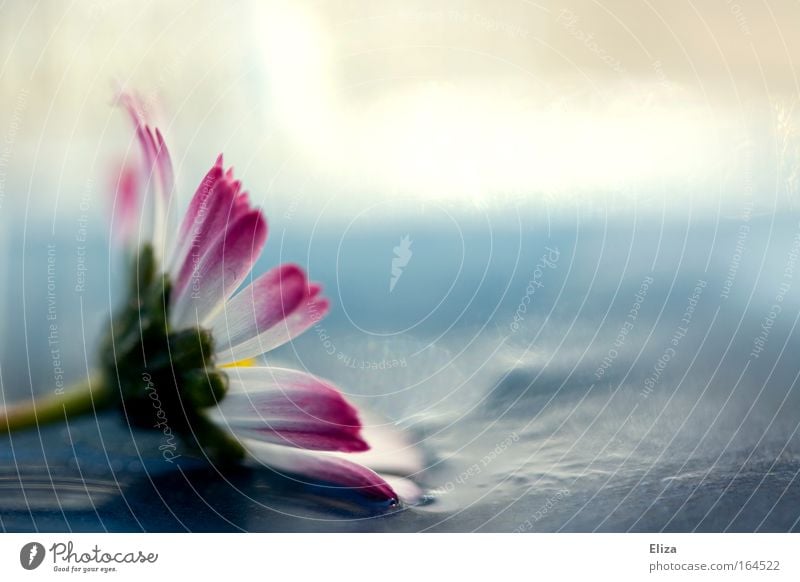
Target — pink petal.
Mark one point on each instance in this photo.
(196, 215)
(290, 408)
(310, 311)
(219, 271)
(216, 217)
(216, 205)
(156, 171)
(125, 211)
(259, 306)
(322, 468)
(156, 156)
(165, 170)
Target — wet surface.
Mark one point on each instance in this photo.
(546, 417)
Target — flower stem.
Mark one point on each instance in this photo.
(84, 397)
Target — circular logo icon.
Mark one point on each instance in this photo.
(31, 555)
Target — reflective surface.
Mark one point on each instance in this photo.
(547, 417)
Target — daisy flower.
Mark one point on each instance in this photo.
(180, 356)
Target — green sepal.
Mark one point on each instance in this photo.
(217, 443)
(164, 375)
(205, 388)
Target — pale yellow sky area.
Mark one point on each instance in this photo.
(343, 102)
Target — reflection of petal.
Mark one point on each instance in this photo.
(323, 468)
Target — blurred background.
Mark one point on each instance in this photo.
(560, 226)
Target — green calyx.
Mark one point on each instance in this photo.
(166, 378)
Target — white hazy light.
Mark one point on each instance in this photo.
(296, 68)
(456, 141)
(451, 141)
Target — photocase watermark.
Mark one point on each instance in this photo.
(477, 468)
(548, 260)
(627, 327)
(788, 144)
(402, 256)
(31, 555)
(53, 337)
(741, 20)
(499, 449)
(7, 145)
(99, 9)
(69, 560)
(540, 513)
(197, 232)
(661, 76)
(168, 445)
(290, 211)
(680, 332)
(356, 363)
(329, 346)
(81, 237)
(736, 259)
(351, 361)
(463, 17)
(569, 20)
(760, 341)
